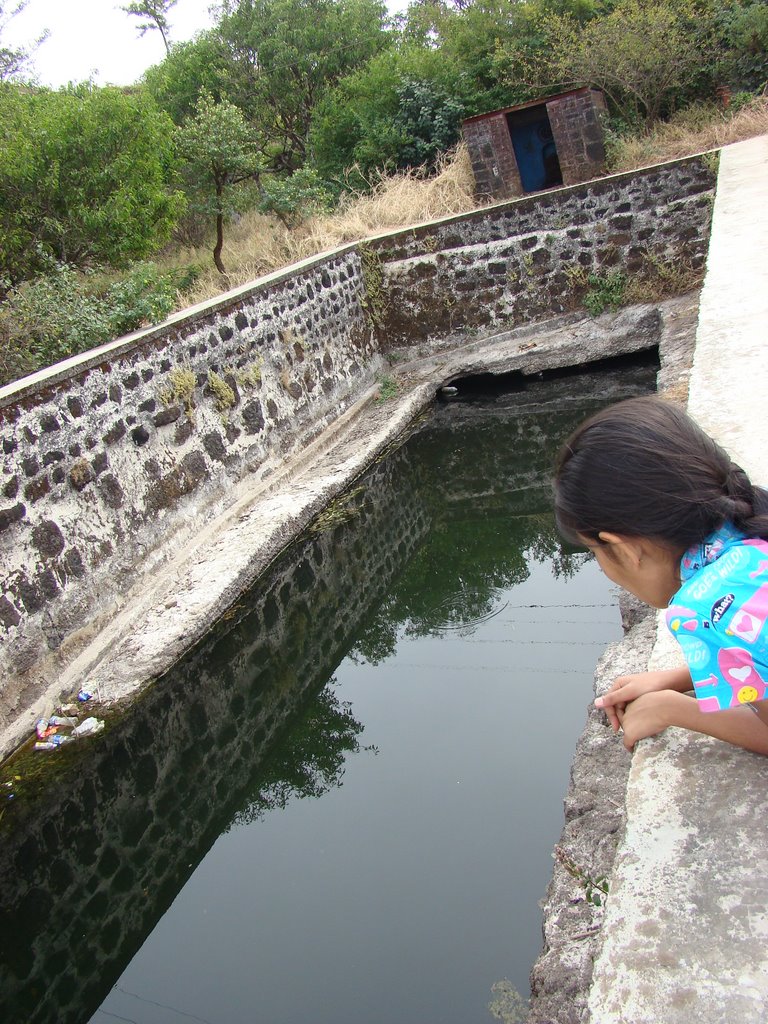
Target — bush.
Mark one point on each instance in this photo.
(65, 312)
(293, 199)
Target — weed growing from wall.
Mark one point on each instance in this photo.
(249, 376)
(605, 291)
(180, 388)
(222, 393)
(388, 388)
(374, 300)
(595, 889)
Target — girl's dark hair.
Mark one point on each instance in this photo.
(643, 468)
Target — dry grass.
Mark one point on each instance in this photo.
(259, 244)
(694, 130)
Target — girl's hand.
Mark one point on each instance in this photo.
(629, 688)
(651, 713)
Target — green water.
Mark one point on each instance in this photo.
(341, 807)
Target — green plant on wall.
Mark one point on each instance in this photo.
(595, 889)
(249, 376)
(388, 388)
(605, 291)
(374, 300)
(180, 388)
(223, 394)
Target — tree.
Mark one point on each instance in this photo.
(15, 60)
(85, 177)
(220, 151)
(200, 65)
(155, 13)
(374, 118)
(642, 55)
(745, 33)
(285, 55)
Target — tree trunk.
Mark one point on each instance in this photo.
(219, 242)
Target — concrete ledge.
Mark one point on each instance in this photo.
(684, 935)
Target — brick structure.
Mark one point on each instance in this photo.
(537, 145)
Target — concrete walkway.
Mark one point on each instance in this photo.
(686, 926)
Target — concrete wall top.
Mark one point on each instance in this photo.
(687, 916)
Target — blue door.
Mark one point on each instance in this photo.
(535, 150)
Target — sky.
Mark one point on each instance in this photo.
(95, 38)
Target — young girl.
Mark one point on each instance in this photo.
(671, 519)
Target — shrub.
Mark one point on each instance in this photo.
(65, 312)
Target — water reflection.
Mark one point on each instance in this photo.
(425, 546)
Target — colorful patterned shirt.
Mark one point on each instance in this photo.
(719, 616)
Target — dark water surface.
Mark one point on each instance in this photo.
(341, 807)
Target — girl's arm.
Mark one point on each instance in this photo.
(628, 688)
(653, 712)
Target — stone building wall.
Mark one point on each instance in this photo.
(493, 159)
(578, 134)
(112, 461)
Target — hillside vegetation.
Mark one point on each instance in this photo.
(296, 125)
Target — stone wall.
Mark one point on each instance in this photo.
(113, 461)
(527, 260)
(113, 457)
(93, 866)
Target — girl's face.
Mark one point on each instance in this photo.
(644, 568)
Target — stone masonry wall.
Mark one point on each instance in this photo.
(120, 833)
(139, 444)
(112, 461)
(526, 260)
(578, 134)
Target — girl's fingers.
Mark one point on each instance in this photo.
(612, 716)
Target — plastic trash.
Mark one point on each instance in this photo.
(54, 742)
(84, 695)
(88, 727)
(62, 720)
(42, 727)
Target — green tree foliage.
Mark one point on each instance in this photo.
(642, 55)
(294, 197)
(743, 30)
(190, 69)
(155, 17)
(220, 151)
(284, 55)
(372, 120)
(84, 178)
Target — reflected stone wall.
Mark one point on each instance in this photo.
(87, 875)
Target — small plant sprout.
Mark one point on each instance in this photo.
(595, 889)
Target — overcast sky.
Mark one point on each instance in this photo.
(94, 37)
